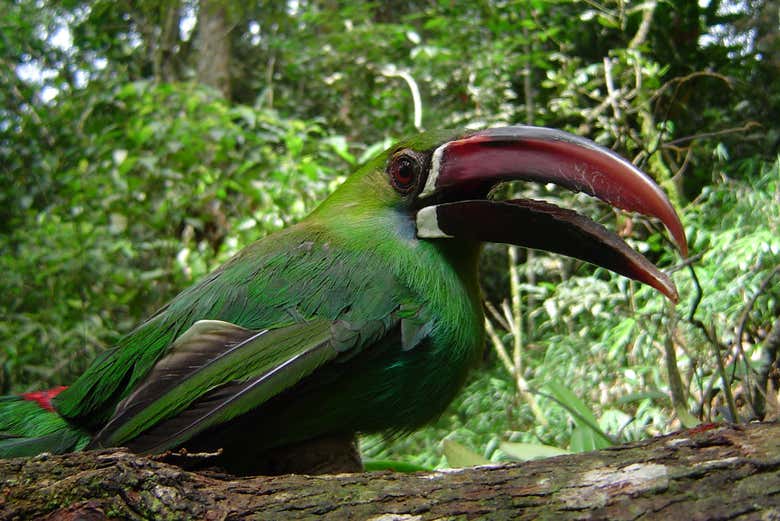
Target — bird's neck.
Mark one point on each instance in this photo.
(443, 272)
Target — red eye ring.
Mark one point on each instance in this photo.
(404, 171)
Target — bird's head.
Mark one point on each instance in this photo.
(439, 184)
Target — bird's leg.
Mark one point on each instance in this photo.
(331, 454)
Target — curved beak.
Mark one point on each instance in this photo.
(463, 172)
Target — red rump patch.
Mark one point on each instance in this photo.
(44, 398)
(704, 427)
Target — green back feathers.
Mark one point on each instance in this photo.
(27, 429)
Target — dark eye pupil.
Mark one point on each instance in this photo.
(405, 171)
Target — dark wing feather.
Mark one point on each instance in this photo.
(205, 343)
(254, 365)
(232, 399)
(57, 442)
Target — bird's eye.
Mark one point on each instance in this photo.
(404, 172)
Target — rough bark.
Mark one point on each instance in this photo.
(213, 47)
(713, 472)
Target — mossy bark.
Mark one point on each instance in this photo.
(713, 472)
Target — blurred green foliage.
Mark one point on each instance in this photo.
(164, 183)
(127, 174)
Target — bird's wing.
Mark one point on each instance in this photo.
(286, 307)
(28, 429)
(217, 371)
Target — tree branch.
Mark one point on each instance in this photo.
(705, 473)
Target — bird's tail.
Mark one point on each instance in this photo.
(29, 425)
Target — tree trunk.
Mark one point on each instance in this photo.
(213, 46)
(712, 472)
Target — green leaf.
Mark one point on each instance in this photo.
(622, 334)
(564, 396)
(584, 418)
(339, 144)
(459, 456)
(247, 114)
(530, 451)
(584, 439)
(395, 466)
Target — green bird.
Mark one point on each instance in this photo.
(364, 317)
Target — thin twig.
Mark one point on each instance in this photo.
(741, 332)
(523, 389)
(679, 80)
(517, 309)
(706, 135)
(676, 388)
(713, 340)
(612, 94)
(392, 71)
(498, 345)
(682, 168)
(693, 259)
(752, 302)
(768, 359)
(644, 26)
(496, 315)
